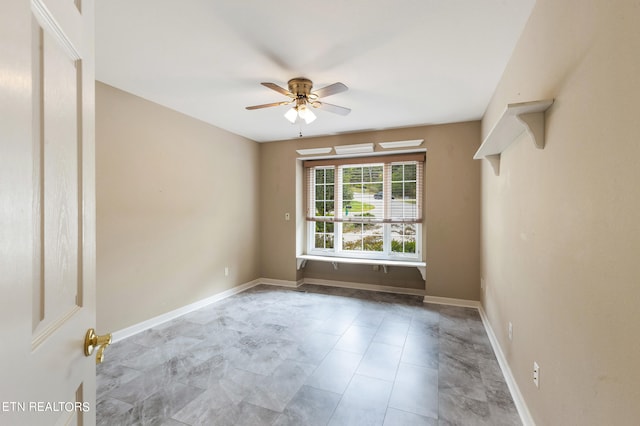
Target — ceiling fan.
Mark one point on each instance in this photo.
(301, 97)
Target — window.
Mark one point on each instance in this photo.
(367, 207)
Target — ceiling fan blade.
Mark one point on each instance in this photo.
(268, 105)
(331, 89)
(278, 89)
(336, 109)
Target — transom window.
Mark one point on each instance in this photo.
(367, 207)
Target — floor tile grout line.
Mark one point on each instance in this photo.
(389, 309)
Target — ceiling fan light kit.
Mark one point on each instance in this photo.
(301, 95)
(300, 112)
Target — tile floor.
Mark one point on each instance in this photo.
(305, 357)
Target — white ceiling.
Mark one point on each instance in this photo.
(406, 62)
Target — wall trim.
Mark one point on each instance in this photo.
(465, 303)
(518, 399)
(280, 283)
(363, 286)
(168, 316)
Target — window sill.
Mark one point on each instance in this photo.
(301, 261)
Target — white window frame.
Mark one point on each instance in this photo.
(386, 254)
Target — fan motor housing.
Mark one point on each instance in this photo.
(301, 87)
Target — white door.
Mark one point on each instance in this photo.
(47, 212)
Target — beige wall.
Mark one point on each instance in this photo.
(177, 201)
(452, 208)
(560, 230)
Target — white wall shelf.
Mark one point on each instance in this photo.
(516, 119)
(301, 261)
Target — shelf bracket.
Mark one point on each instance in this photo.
(301, 263)
(423, 271)
(533, 123)
(494, 160)
(335, 265)
(385, 268)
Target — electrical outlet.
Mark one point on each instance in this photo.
(510, 331)
(287, 216)
(481, 283)
(536, 374)
(226, 271)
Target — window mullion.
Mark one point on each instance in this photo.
(337, 199)
(386, 192)
(386, 238)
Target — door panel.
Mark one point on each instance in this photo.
(47, 215)
(58, 177)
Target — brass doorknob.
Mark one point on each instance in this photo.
(92, 340)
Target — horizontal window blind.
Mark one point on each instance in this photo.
(374, 189)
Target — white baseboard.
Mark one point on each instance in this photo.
(518, 400)
(155, 321)
(452, 302)
(280, 283)
(362, 286)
